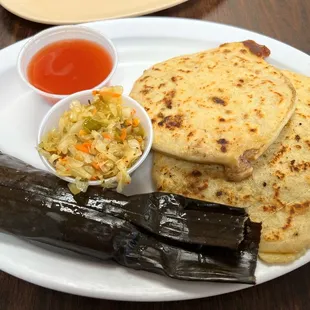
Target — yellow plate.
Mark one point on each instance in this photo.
(79, 11)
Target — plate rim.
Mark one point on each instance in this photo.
(182, 296)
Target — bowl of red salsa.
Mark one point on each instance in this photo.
(63, 60)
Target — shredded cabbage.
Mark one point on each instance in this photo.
(95, 141)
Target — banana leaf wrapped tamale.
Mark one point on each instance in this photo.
(155, 232)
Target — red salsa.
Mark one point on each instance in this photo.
(68, 66)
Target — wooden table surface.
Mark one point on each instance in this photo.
(285, 20)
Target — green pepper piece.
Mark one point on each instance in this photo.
(91, 124)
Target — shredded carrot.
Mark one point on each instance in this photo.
(135, 122)
(123, 134)
(85, 147)
(94, 111)
(109, 93)
(95, 165)
(128, 122)
(82, 132)
(94, 178)
(106, 135)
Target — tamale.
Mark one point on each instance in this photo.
(38, 206)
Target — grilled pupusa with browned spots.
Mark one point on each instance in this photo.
(222, 106)
(278, 192)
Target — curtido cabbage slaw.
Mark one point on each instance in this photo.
(96, 141)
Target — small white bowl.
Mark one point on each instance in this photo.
(59, 33)
(51, 119)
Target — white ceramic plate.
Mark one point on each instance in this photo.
(58, 12)
(140, 43)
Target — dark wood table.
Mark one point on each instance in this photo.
(285, 20)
